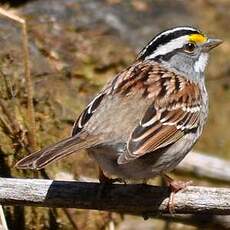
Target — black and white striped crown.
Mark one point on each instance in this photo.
(164, 38)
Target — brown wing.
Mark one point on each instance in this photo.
(175, 111)
(175, 108)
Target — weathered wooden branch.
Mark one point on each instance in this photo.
(131, 199)
(205, 166)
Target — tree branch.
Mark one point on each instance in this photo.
(128, 199)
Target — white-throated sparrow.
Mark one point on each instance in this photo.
(147, 118)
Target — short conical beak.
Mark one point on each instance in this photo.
(211, 43)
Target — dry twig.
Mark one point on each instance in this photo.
(31, 118)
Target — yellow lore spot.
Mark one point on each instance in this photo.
(197, 38)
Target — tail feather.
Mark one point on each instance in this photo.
(43, 157)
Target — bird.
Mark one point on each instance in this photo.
(148, 117)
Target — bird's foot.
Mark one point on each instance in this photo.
(175, 186)
(106, 180)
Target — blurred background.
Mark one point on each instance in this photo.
(75, 47)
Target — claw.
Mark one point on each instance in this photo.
(175, 186)
(106, 180)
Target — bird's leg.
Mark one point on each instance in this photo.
(174, 186)
(106, 180)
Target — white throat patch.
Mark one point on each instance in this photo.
(201, 63)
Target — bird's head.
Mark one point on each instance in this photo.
(182, 48)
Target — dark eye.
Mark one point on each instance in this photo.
(189, 47)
